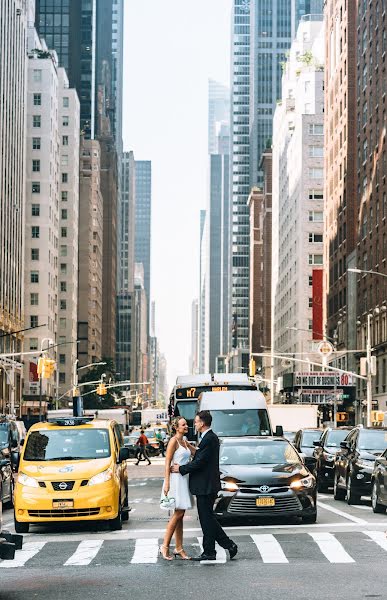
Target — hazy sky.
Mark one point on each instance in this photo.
(172, 48)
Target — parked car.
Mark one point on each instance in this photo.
(304, 440)
(379, 484)
(264, 477)
(6, 478)
(130, 442)
(354, 463)
(325, 452)
(10, 440)
(290, 435)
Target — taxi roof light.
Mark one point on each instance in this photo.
(71, 421)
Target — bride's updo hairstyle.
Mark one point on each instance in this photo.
(175, 424)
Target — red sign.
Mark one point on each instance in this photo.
(33, 372)
(317, 310)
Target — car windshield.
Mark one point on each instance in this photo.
(231, 423)
(3, 435)
(150, 433)
(67, 444)
(258, 453)
(308, 437)
(373, 440)
(126, 439)
(336, 436)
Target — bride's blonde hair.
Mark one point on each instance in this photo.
(175, 423)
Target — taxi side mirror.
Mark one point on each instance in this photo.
(279, 431)
(123, 454)
(317, 444)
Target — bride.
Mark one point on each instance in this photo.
(179, 452)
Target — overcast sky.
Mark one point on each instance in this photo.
(172, 48)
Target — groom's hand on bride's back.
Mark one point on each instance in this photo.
(175, 469)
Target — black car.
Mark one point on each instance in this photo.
(10, 440)
(354, 463)
(6, 478)
(264, 477)
(325, 452)
(304, 440)
(379, 484)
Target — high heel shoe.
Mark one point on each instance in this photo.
(181, 552)
(164, 552)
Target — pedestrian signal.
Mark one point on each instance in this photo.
(377, 416)
(341, 417)
(252, 367)
(46, 367)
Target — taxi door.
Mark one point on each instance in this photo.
(122, 471)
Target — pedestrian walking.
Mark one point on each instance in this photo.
(160, 439)
(142, 443)
(176, 489)
(204, 483)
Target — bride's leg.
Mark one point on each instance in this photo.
(179, 530)
(171, 527)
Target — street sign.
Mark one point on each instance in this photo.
(323, 379)
(325, 348)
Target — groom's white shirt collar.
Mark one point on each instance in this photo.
(204, 433)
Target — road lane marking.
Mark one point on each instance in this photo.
(269, 548)
(331, 548)
(146, 551)
(341, 513)
(221, 556)
(22, 556)
(379, 537)
(84, 554)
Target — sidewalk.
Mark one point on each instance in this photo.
(143, 471)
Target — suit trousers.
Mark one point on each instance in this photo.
(212, 531)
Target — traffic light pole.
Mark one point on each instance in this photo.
(40, 397)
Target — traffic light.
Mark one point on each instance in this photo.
(252, 367)
(341, 417)
(101, 389)
(46, 367)
(377, 416)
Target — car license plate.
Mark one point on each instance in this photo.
(63, 504)
(265, 501)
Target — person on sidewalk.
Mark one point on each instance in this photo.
(142, 443)
(204, 483)
(159, 438)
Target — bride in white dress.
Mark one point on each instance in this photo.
(176, 486)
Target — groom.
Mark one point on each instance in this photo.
(204, 483)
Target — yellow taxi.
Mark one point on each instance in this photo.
(72, 469)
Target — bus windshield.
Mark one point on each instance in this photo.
(230, 423)
(187, 409)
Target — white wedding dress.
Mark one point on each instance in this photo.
(179, 484)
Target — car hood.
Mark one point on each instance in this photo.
(263, 474)
(79, 469)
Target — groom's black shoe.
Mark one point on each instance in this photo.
(204, 557)
(233, 550)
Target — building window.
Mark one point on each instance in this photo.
(310, 279)
(37, 99)
(65, 121)
(34, 276)
(62, 359)
(36, 166)
(35, 231)
(64, 196)
(63, 286)
(66, 102)
(62, 377)
(63, 250)
(64, 213)
(316, 151)
(316, 173)
(37, 75)
(34, 299)
(316, 129)
(65, 140)
(36, 121)
(34, 253)
(310, 302)
(310, 325)
(316, 216)
(63, 232)
(316, 195)
(36, 143)
(34, 320)
(65, 160)
(35, 210)
(33, 343)
(63, 268)
(63, 304)
(62, 322)
(315, 259)
(35, 187)
(315, 238)
(65, 177)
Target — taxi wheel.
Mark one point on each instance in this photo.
(116, 524)
(125, 513)
(376, 506)
(21, 527)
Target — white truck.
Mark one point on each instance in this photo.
(293, 417)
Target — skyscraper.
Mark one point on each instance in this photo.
(202, 289)
(143, 213)
(218, 111)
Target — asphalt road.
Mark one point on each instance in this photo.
(344, 555)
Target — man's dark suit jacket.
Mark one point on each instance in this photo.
(203, 470)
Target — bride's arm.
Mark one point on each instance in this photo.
(168, 460)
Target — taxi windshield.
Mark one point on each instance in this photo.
(67, 444)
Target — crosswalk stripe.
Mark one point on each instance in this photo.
(331, 548)
(269, 548)
(379, 537)
(84, 554)
(221, 556)
(22, 556)
(146, 551)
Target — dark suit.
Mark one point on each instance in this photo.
(204, 483)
